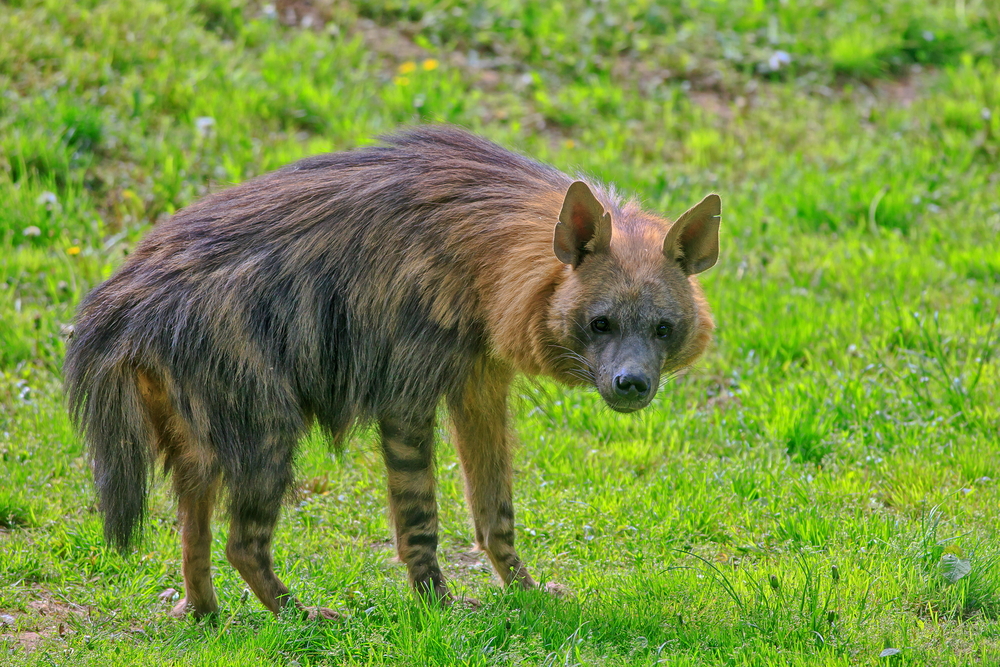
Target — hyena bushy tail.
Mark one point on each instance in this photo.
(107, 407)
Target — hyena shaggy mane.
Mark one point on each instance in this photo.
(365, 287)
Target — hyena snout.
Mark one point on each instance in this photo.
(632, 387)
(629, 390)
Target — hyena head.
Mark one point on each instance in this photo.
(628, 312)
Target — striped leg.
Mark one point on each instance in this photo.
(195, 511)
(254, 515)
(256, 491)
(196, 483)
(409, 457)
(479, 415)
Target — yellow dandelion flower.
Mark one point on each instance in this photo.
(430, 64)
(407, 67)
(401, 80)
(73, 250)
(570, 144)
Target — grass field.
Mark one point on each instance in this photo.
(823, 489)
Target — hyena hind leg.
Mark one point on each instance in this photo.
(195, 513)
(254, 508)
(195, 479)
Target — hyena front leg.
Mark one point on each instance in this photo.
(479, 415)
(408, 449)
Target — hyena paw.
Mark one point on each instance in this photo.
(555, 590)
(321, 614)
(183, 609)
(434, 591)
(469, 604)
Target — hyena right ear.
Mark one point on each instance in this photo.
(694, 239)
(583, 226)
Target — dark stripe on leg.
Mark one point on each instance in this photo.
(409, 457)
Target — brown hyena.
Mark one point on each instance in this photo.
(365, 287)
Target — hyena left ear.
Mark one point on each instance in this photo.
(583, 226)
(694, 239)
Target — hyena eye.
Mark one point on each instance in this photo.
(601, 325)
(663, 329)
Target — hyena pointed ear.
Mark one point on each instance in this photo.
(583, 226)
(694, 239)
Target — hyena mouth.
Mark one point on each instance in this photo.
(626, 408)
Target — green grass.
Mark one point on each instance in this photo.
(821, 488)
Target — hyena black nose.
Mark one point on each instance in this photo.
(631, 387)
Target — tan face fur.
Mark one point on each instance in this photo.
(629, 309)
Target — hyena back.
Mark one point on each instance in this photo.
(366, 287)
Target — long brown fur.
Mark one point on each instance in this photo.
(365, 287)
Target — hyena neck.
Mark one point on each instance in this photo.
(519, 286)
(518, 319)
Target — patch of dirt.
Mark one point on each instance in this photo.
(56, 609)
(901, 92)
(708, 87)
(28, 641)
(45, 618)
(303, 13)
(467, 560)
(723, 401)
(381, 545)
(389, 42)
(720, 395)
(712, 102)
(725, 104)
(317, 14)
